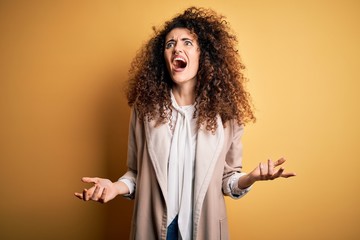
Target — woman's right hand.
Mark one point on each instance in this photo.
(103, 190)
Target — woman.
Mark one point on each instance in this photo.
(189, 105)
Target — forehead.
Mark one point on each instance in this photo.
(180, 33)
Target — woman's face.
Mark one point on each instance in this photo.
(182, 55)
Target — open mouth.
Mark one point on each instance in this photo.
(179, 63)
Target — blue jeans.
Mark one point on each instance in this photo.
(173, 230)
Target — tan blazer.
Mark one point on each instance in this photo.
(218, 156)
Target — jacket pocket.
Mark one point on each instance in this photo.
(224, 231)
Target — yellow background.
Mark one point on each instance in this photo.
(63, 114)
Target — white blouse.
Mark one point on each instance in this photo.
(181, 167)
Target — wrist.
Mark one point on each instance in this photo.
(246, 181)
(121, 188)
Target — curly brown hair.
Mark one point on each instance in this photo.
(220, 80)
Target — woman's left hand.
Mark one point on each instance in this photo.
(268, 171)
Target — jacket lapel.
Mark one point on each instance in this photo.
(158, 143)
(208, 149)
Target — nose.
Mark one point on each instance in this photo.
(177, 48)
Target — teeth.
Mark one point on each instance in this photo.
(179, 59)
(179, 62)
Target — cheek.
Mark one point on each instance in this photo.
(167, 60)
(197, 56)
(197, 61)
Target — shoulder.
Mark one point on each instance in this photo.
(233, 129)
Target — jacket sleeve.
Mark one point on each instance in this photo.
(233, 164)
(129, 178)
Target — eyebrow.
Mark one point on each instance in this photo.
(182, 39)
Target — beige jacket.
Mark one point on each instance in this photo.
(218, 156)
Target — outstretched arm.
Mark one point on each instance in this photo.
(263, 172)
(103, 189)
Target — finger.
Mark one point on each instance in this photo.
(103, 196)
(85, 196)
(261, 168)
(279, 162)
(79, 195)
(270, 168)
(95, 194)
(278, 173)
(287, 175)
(90, 180)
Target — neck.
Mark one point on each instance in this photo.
(184, 96)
